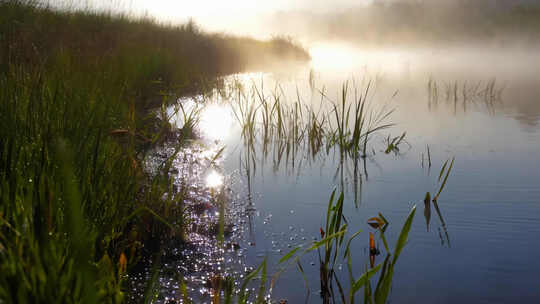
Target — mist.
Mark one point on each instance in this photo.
(416, 23)
(367, 23)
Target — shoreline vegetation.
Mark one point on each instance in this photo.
(77, 90)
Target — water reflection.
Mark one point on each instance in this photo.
(345, 57)
(443, 225)
(205, 114)
(216, 122)
(463, 95)
(427, 215)
(283, 132)
(427, 211)
(305, 131)
(214, 180)
(202, 257)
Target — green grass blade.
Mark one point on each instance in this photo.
(347, 249)
(327, 239)
(289, 255)
(402, 240)
(262, 285)
(382, 288)
(183, 290)
(242, 296)
(383, 238)
(330, 203)
(442, 171)
(445, 179)
(364, 279)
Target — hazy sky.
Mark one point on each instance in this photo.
(238, 16)
(203, 8)
(256, 18)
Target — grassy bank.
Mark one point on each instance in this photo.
(75, 92)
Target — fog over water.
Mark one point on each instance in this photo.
(363, 21)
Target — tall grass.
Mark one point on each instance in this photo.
(464, 95)
(77, 207)
(296, 130)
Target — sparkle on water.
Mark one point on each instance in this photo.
(214, 179)
(484, 215)
(216, 121)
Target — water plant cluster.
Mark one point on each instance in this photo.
(335, 246)
(463, 95)
(291, 129)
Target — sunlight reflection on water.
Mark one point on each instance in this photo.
(338, 57)
(485, 142)
(214, 179)
(216, 122)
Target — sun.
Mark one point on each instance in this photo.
(216, 122)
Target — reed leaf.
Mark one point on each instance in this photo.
(445, 179)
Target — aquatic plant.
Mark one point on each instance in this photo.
(290, 127)
(334, 245)
(428, 200)
(392, 144)
(352, 133)
(487, 93)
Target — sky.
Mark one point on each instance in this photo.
(231, 16)
(204, 8)
(256, 18)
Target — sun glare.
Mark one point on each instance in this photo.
(216, 122)
(214, 180)
(339, 57)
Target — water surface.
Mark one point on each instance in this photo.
(482, 245)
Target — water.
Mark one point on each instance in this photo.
(483, 245)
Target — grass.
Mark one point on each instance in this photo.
(463, 94)
(334, 246)
(352, 133)
(393, 143)
(294, 130)
(77, 90)
(445, 171)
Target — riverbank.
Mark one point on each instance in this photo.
(76, 90)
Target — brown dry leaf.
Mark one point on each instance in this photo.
(122, 262)
(371, 242)
(376, 222)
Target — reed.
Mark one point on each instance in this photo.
(290, 127)
(335, 245)
(428, 200)
(392, 144)
(487, 94)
